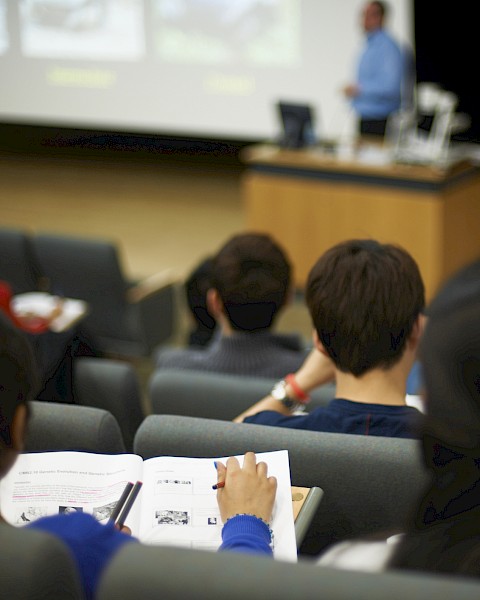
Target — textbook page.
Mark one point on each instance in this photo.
(176, 505)
(49, 483)
(179, 506)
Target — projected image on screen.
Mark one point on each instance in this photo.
(3, 27)
(259, 32)
(204, 68)
(91, 29)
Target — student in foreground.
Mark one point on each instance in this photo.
(246, 502)
(444, 533)
(366, 301)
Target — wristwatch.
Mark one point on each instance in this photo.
(279, 392)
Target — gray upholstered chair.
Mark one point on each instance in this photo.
(111, 385)
(150, 573)
(124, 319)
(213, 395)
(55, 426)
(17, 265)
(36, 566)
(370, 484)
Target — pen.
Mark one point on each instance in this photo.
(120, 503)
(218, 485)
(128, 504)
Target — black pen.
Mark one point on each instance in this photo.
(128, 504)
(121, 502)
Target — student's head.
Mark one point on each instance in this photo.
(450, 356)
(251, 276)
(364, 299)
(18, 384)
(197, 285)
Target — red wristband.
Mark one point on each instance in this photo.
(301, 396)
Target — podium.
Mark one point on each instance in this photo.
(310, 199)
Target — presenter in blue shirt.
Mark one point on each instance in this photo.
(377, 92)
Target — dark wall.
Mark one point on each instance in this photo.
(446, 40)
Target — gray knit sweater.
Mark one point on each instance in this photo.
(261, 354)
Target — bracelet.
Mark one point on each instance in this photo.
(270, 531)
(302, 397)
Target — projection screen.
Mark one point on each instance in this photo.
(203, 68)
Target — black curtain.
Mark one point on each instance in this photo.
(447, 53)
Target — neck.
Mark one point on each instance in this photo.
(377, 386)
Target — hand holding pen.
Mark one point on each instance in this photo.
(246, 489)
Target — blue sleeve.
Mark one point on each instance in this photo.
(272, 417)
(248, 534)
(92, 544)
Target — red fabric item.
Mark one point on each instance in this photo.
(32, 324)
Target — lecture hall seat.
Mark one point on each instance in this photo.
(214, 395)
(151, 572)
(125, 318)
(112, 385)
(371, 484)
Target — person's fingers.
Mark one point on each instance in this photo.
(221, 471)
(232, 464)
(249, 461)
(262, 468)
(272, 480)
(124, 529)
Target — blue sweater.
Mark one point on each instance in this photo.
(93, 544)
(346, 416)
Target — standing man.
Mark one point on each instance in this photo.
(377, 93)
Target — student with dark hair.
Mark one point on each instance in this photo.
(246, 507)
(91, 543)
(250, 284)
(444, 535)
(444, 532)
(196, 288)
(366, 301)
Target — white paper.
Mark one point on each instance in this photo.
(42, 304)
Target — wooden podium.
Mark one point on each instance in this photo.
(311, 199)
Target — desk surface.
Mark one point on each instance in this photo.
(368, 159)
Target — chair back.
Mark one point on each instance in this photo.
(119, 322)
(17, 265)
(89, 270)
(213, 395)
(111, 385)
(36, 565)
(370, 484)
(152, 572)
(54, 426)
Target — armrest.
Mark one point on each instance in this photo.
(309, 500)
(152, 285)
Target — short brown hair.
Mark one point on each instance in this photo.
(364, 298)
(18, 375)
(252, 274)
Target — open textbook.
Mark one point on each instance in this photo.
(176, 505)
